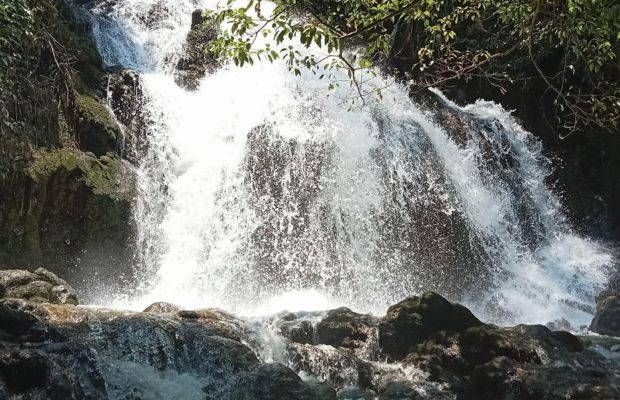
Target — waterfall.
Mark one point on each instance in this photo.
(263, 191)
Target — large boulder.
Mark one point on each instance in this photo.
(340, 328)
(607, 318)
(41, 286)
(414, 319)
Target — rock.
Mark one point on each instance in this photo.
(17, 324)
(272, 382)
(162, 308)
(356, 394)
(487, 362)
(559, 325)
(80, 217)
(414, 319)
(22, 369)
(95, 127)
(127, 102)
(197, 59)
(607, 318)
(341, 328)
(42, 286)
(80, 352)
(215, 322)
(338, 367)
(399, 391)
(344, 328)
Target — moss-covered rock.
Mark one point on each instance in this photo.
(74, 215)
(102, 175)
(96, 129)
(65, 191)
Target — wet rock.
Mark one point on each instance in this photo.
(95, 127)
(216, 322)
(340, 328)
(607, 318)
(127, 102)
(162, 308)
(22, 369)
(273, 382)
(197, 59)
(487, 362)
(338, 367)
(356, 394)
(414, 319)
(344, 328)
(399, 391)
(559, 325)
(42, 286)
(81, 350)
(18, 324)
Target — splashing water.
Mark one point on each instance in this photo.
(262, 191)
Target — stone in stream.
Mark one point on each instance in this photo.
(162, 308)
(356, 394)
(452, 348)
(414, 319)
(273, 382)
(434, 350)
(607, 318)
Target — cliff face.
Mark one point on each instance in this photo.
(65, 188)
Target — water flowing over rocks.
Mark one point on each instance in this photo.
(51, 348)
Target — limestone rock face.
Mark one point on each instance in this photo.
(65, 201)
(607, 318)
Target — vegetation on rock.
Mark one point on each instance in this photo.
(64, 189)
(570, 48)
(197, 59)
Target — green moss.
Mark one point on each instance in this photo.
(101, 175)
(94, 112)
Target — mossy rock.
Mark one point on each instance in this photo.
(102, 175)
(95, 127)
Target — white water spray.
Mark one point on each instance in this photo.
(261, 192)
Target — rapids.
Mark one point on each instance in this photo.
(262, 191)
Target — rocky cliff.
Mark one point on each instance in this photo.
(66, 186)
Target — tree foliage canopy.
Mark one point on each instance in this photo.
(570, 47)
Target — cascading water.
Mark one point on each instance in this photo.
(261, 191)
